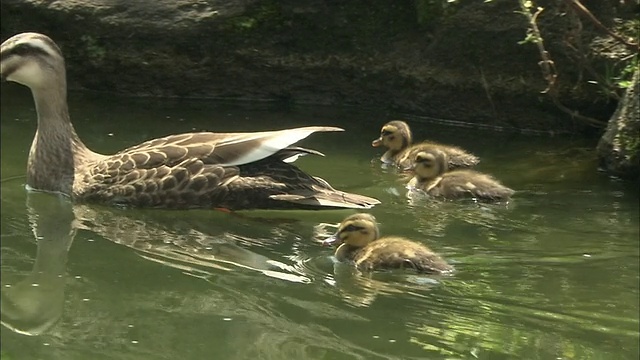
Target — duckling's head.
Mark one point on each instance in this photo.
(357, 230)
(430, 164)
(395, 135)
(33, 60)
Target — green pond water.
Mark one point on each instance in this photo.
(553, 275)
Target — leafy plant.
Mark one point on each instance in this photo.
(429, 10)
(95, 52)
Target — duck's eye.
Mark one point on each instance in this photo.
(386, 133)
(25, 50)
(22, 49)
(351, 227)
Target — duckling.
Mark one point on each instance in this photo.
(397, 138)
(360, 242)
(431, 176)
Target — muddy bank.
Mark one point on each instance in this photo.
(619, 147)
(465, 66)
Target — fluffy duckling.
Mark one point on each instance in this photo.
(360, 242)
(431, 176)
(397, 138)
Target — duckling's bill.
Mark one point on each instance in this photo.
(332, 240)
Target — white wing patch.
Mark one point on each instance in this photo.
(272, 142)
(291, 159)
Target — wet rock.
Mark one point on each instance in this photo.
(619, 147)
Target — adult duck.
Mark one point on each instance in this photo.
(433, 177)
(360, 242)
(397, 138)
(193, 170)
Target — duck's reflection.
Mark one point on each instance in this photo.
(362, 289)
(192, 245)
(33, 304)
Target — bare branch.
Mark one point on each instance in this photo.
(583, 11)
(549, 71)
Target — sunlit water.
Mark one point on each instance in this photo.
(553, 275)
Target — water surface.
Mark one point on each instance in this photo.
(553, 275)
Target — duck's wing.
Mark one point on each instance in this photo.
(458, 157)
(399, 253)
(226, 149)
(461, 183)
(201, 169)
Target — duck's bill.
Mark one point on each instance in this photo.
(376, 142)
(332, 240)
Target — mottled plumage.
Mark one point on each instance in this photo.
(195, 170)
(397, 138)
(360, 242)
(432, 177)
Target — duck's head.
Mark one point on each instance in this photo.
(430, 164)
(357, 230)
(31, 59)
(395, 135)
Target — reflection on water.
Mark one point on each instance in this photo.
(181, 244)
(34, 303)
(552, 275)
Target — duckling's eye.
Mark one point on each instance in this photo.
(351, 227)
(386, 133)
(424, 160)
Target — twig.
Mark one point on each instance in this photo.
(549, 71)
(584, 64)
(547, 65)
(582, 10)
(485, 85)
(576, 115)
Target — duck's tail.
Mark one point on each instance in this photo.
(327, 199)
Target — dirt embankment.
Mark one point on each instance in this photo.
(465, 66)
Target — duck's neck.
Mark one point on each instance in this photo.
(424, 183)
(56, 150)
(345, 252)
(396, 154)
(392, 156)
